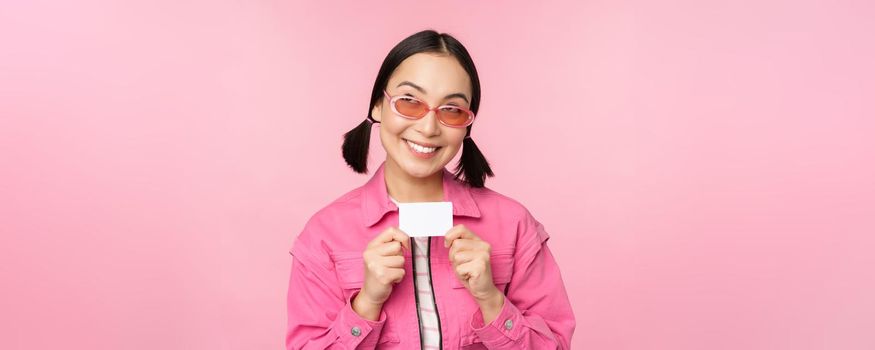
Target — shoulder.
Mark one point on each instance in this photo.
(494, 204)
(328, 223)
(346, 207)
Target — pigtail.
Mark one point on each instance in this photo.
(355, 145)
(472, 164)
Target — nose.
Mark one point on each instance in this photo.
(429, 125)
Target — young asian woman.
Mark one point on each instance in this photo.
(359, 282)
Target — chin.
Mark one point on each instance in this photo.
(418, 170)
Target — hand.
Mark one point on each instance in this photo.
(384, 267)
(470, 258)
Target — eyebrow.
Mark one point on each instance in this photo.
(417, 87)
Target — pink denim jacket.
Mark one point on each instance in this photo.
(328, 272)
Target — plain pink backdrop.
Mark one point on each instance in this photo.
(706, 169)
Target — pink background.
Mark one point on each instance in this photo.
(706, 169)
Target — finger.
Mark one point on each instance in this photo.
(389, 248)
(467, 244)
(389, 275)
(394, 261)
(463, 257)
(456, 232)
(392, 234)
(395, 275)
(469, 270)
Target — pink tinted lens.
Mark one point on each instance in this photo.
(453, 116)
(411, 107)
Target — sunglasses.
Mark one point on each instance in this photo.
(412, 108)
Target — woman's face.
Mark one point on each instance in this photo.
(430, 78)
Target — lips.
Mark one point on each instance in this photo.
(420, 151)
(423, 144)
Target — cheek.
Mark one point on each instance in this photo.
(457, 139)
(391, 126)
(453, 149)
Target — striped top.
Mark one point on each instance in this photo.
(428, 325)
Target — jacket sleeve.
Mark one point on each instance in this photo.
(536, 313)
(319, 316)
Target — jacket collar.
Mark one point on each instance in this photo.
(376, 202)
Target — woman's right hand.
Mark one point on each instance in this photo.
(384, 267)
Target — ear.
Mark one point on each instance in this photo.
(377, 112)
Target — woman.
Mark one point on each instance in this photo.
(358, 282)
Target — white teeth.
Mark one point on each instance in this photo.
(421, 149)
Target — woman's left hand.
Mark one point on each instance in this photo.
(470, 258)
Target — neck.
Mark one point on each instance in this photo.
(405, 188)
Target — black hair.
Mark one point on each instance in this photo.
(472, 164)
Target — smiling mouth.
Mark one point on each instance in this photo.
(420, 148)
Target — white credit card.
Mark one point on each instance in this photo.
(423, 219)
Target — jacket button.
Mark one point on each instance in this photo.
(356, 331)
(508, 324)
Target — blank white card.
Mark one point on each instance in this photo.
(423, 219)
